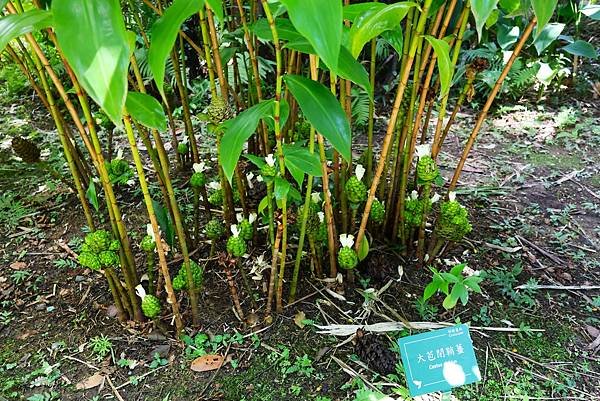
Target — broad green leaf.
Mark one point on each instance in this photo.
(92, 36)
(164, 33)
(510, 6)
(543, 10)
(493, 18)
(164, 221)
(284, 113)
(395, 38)
(92, 196)
(321, 23)
(375, 21)
(450, 278)
(363, 251)
(323, 111)
(430, 290)
(263, 204)
(507, 37)
(15, 25)
(457, 270)
(256, 160)
(282, 188)
(482, 9)
(217, 8)
(581, 48)
(449, 302)
(300, 161)
(350, 68)
(146, 110)
(592, 11)
(473, 283)
(285, 30)
(237, 132)
(547, 36)
(445, 67)
(353, 11)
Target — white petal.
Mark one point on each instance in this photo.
(239, 217)
(199, 167)
(234, 230)
(140, 291)
(359, 171)
(414, 195)
(119, 153)
(252, 217)
(451, 196)
(150, 231)
(214, 185)
(270, 159)
(316, 197)
(321, 216)
(423, 150)
(347, 240)
(435, 198)
(260, 178)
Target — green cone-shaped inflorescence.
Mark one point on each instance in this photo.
(150, 304)
(313, 221)
(377, 213)
(218, 111)
(413, 210)
(119, 171)
(182, 148)
(215, 198)
(427, 170)
(236, 246)
(99, 250)
(356, 190)
(214, 229)
(180, 280)
(347, 257)
(269, 170)
(148, 244)
(453, 223)
(198, 179)
(246, 226)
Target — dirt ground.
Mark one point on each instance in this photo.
(532, 187)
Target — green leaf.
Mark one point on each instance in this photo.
(449, 302)
(592, 11)
(284, 113)
(299, 161)
(321, 23)
(377, 19)
(15, 25)
(363, 251)
(264, 203)
(92, 196)
(473, 283)
(581, 48)
(164, 221)
(146, 110)
(445, 67)
(285, 30)
(353, 11)
(510, 6)
(93, 38)
(507, 37)
(282, 188)
(430, 290)
(543, 10)
(217, 8)
(449, 277)
(237, 132)
(547, 36)
(257, 161)
(482, 9)
(323, 111)
(395, 38)
(164, 33)
(457, 270)
(350, 68)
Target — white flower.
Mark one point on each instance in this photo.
(239, 217)
(130, 182)
(252, 217)
(185, 140)
(234, 230)
(414, 195)
(150, 231)
(321, 216)
(423, 150)
(435, 198)
(359, 171)
(451, 196)
(214, 185)
(259, 265)
(140, 291)
(316, 197)
(199, 167)
(249, 178)
(270, 159)
(347, 240)
(119, 153)
(259, 178)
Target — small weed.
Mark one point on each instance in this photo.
(12, 211)
(101, 346)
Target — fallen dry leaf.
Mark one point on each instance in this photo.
(299, 319)
(93, 381)
(18, 265)
(206, 363)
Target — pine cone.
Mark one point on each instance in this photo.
(26, 149)
(151, 306)
(479, 64)
(375, 353)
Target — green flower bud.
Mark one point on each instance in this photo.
(198, 180)
(148, 244)
(377, 213)
(150, 306)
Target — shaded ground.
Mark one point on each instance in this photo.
(532, 185)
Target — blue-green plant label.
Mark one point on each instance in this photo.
(439, 360)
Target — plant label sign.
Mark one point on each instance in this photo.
(439, 360)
